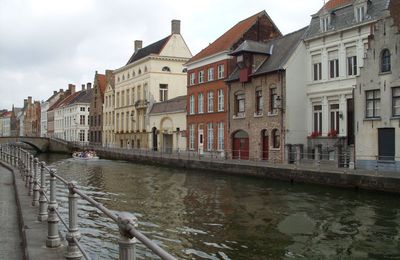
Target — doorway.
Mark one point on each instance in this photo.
(154, 138)
(200, 139)
(240, 147)
(264, 144)
(386, 144)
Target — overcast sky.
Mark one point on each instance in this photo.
(46, 44)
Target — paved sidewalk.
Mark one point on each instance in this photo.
(10, 236)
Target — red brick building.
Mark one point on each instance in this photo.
(207, 93)
(96, 109)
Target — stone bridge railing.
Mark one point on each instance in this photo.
(34, 173)
(41, 144)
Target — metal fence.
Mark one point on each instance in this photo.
(35, 174)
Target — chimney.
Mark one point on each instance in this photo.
(29, 100)
(83, 87)
(54, 92)
(25, 102)
(138, 45)
(71, 88)
(175, 27)
(61, 90)
(89, 85)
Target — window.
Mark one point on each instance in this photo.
(210, 101)
(163, 92)
(191, 105)
(396, 101)
(240, 104)
(117, 99)
(82, 120)
(82, 109)
(166, 69)
(360, 13)
(221, 136)
(352, 66)
(210, 136)
(201, 76)
(82, 135)
(373, 103)
(334, 118)
(127, 97)
(220, 100)
(139, 93)
(334, 68)
(191, 137)
(276, 141)
(221, 71)
(210, 74)
(324, 23)
(133, 96)
(317, 119)
(385, 61)
(317, 71)
(192, 79)
(259, 102)
(200, 103)
(273, 101)
(122, 98)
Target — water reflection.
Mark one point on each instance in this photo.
(196, 215)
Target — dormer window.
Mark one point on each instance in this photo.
(360, 10)
(324, 23)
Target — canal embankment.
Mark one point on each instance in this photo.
(22, 225)
(337, 177)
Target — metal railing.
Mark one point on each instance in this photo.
(34, 175)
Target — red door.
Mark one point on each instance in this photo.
(236, 148)
(265, 147)
(240, 145)
(244, 148)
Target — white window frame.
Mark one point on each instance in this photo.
(317, 71)
(210, 136)
(191, 137)
(221, 71)
(191, 105)
(335, 68)
(192, 78)
(210, 74)
(210, 101)
(221, 145)
(201, 76)
(200, 103)
(352, 66)
(220, 100)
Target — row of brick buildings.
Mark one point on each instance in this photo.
(253, 93)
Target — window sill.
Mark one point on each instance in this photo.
(258, 114)
(385, 73)
(274, 149)
(395, 118)
(239, 116)
(272, 114)
(372, 119)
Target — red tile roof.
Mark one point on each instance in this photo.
(229, 38)
(101, 83)
(332, 4)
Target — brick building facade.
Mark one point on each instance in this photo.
(96, 109)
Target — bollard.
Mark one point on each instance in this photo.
(126, 242)
(30, 177)
(53, 238)
(73, 251)
(42, 199)
(35, 198)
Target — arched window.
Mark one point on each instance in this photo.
(123, 77)
(145, 68)
(276, 140)
(385, 60)
(133, 73)
(140, 71)
(166, 69)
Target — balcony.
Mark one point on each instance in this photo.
(143, 103)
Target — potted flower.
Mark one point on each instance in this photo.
(315, 134)
(332, 133)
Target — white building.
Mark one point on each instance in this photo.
(44, 106)
(154, 73)
(336, 45)
(5, 124)
(168, 125)
(108, 139)
(71, 117)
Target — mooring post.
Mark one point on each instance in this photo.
(126, 242)
(73, 234)
(53, 238)
(35, 198)
(42, 199)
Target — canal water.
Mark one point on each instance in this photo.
(199, 215)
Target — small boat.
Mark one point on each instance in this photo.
(85, 156)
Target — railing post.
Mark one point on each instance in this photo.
(35, 198)
(127, 248)
(73, 251)
(27, 170)
(30, 188)
(42, 199)
(53, 238)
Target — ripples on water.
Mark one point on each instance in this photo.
(196, 215)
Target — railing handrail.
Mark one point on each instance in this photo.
(127, 227)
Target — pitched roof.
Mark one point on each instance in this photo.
(342, 15)
(252, 47)
(278, 52)
(177, 104)
(229, 38)
(83, 96)
(101, 79)
(154, 48)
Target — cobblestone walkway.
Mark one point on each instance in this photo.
(10, 237)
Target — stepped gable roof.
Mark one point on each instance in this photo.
(101, 78)
(177, 104)
(154, 48)
(277, 51)
(342, 15)
(229, 38)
